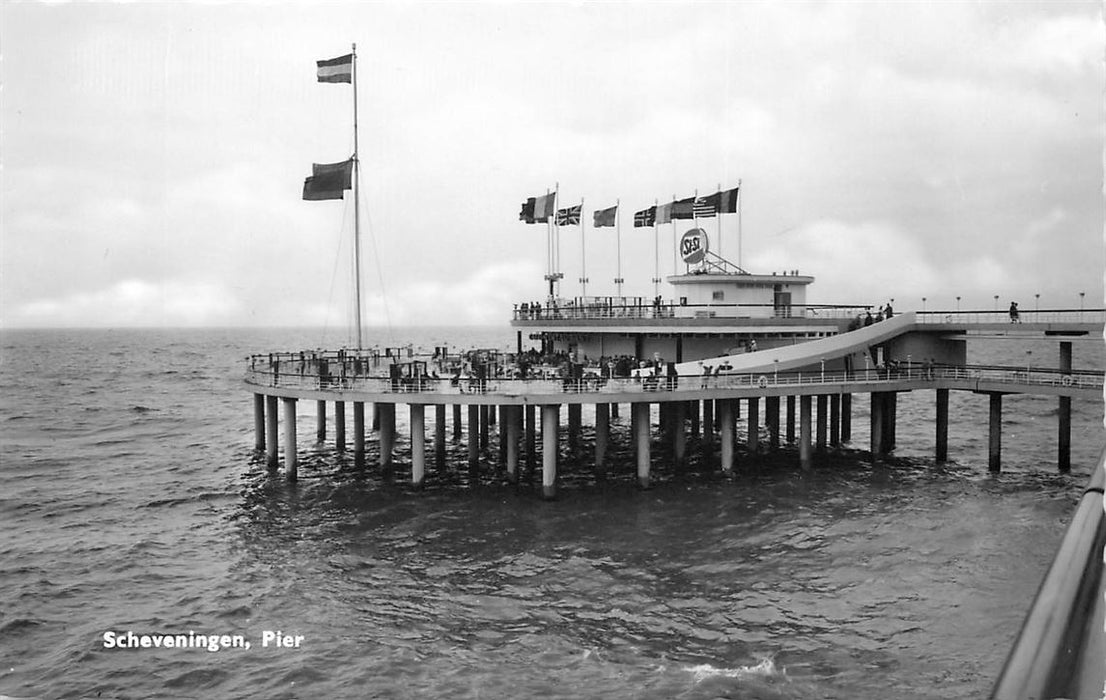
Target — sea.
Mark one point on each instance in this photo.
(134, 508)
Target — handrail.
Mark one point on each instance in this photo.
(1034, 316)
(1060, 650)
(549, 380)
(595, 308)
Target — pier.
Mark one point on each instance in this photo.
(822, 376)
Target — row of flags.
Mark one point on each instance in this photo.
(539, 210)
(331, 180)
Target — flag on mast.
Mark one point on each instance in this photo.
(727, 200)
(664, 213)
(705, 207)
(683, 208)
(645, 217)
(569, 216)
(605, 217)
(336, 70)
(544, 207)
(527, 212)
(328, 180)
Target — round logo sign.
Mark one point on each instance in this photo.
(694, 246)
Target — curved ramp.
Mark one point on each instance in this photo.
(789, 357)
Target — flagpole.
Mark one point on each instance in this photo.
(549, 246)
(557, 236)
(618, 253)
(656, 251)
(694, 220)
(673, 221)
(356, 208)
(718, 215)
(583, 255)
(739, 208)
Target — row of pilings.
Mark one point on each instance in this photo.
(534, 430)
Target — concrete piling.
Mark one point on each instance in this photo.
(418, 444)
(550, 424)
(259, 422)
(291, 459)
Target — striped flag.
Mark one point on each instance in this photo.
(336, 70)
(605, 217)
(543, 207)
(664, 213)
(570, 216)
(645, 217)
(704, 208)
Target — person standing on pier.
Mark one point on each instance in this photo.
(1015, 315)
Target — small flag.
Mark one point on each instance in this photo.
(645, 217)
(543, 207)
(664, 213)
(336, 70)
(704, 208)
(605, 217)
(527, 213)
(570, 216)
(727, 201)
(683, 208)
(328, 180)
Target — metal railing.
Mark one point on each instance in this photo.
(1051, 316)
(608, 308)
(548, 382)
(1061, 651)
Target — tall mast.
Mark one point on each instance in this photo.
(618, 248)
(583, 254)
(356, 209)
(739, 208)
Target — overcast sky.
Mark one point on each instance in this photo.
(154, 155)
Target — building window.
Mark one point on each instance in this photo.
(718, 296)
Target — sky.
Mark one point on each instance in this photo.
(152, 155)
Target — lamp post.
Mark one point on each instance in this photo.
(923, 305)
(996, 302)
(1081, 295)
(776, 371)
(957, 304)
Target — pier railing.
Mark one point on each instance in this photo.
(1052, 316)
(548, 382)
(621, 308)
(1060, 650)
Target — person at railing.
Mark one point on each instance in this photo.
(1015, 316)
(868, 320)
(887, 313)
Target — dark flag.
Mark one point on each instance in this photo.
(645, 217)
(683, 208)
(727, 201)
(328, 180)
(570, 216)
(527, 213)
(605, 217)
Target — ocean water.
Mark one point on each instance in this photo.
(132, 500)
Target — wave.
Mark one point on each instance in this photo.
(765, 669)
